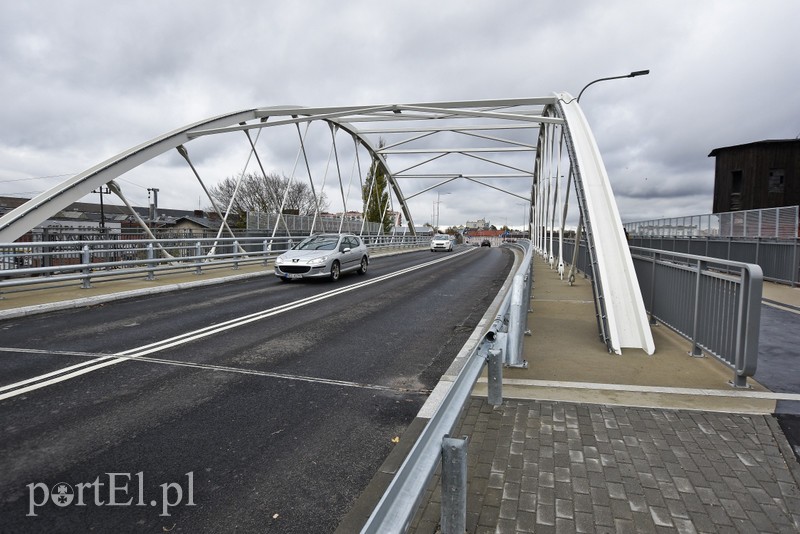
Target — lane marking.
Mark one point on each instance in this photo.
(54, 377)
(227, 369)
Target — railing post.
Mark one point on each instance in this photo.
(653, 290)
(151, 269)
(199, 262)
(697, 352)
(495, 370)
(86, 259)
(236, 255)
(454, 485)
(267, 250)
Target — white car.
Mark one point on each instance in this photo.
(441, 242)
(323, 256)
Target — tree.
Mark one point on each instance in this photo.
(375, 194)
(265, 194)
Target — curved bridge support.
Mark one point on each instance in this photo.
(619, 302)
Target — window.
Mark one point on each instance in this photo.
(775, 182)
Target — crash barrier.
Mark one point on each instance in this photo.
(501, 344)
(715, 304)
(35, 265)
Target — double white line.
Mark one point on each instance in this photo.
(67, 373)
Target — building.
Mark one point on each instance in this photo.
(480, 224)
(762, 174)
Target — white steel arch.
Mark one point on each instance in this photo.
(520, 147)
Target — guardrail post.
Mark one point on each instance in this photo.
(495, 369)
(454, 485)
(86, 259)
(697, 352)
(267, 250)
(197, 252)
(236, 255)
(516, 324)
(151, 269)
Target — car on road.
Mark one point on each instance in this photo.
(323, 256)
(486, 243)
(441, 242)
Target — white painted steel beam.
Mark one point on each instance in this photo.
(628, 325)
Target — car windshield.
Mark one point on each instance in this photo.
(441, 238)
(320, 242)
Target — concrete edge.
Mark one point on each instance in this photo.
(781, 305)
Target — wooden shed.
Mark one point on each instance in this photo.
(762, 174)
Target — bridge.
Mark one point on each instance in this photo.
(496, 136)
(289, 409)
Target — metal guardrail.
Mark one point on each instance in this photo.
(40, 264)
(768, 223)
(778, 259)
(716, 304)
(396, 509)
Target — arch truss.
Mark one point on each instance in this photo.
(539, 150)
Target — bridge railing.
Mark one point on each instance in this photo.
(37, 265)
(716, 304)
(400, 502)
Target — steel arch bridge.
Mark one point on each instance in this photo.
(539, 150)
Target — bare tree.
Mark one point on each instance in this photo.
(266, 193)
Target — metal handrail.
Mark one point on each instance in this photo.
(140, 257)
(723, 315)
(399, 503)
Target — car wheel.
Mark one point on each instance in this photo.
(363, 269)
(335, 271)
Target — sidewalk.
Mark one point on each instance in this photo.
(588, 441)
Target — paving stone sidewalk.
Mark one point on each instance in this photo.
(541, 466)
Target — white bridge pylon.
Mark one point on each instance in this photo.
(522, 147)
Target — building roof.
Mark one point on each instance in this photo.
(716, 151)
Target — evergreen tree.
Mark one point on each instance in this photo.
(375, 194)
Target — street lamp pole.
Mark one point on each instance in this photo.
(578, 230)
(631, 75)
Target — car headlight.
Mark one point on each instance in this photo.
(317, 261)
(279, 260)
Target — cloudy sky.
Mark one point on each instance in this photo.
(84, 80)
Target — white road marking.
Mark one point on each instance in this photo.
(54, 377)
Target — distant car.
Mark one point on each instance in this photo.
(486, 243)
(323, 256)
(441, 242)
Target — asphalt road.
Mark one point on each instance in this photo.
(249, 406)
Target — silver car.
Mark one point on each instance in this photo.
(323, 256)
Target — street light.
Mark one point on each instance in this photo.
(631, 75)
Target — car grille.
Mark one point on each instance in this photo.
(294, 269)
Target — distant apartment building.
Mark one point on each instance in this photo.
(480, 224)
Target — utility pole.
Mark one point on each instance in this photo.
(102, 191)
(154, 203)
